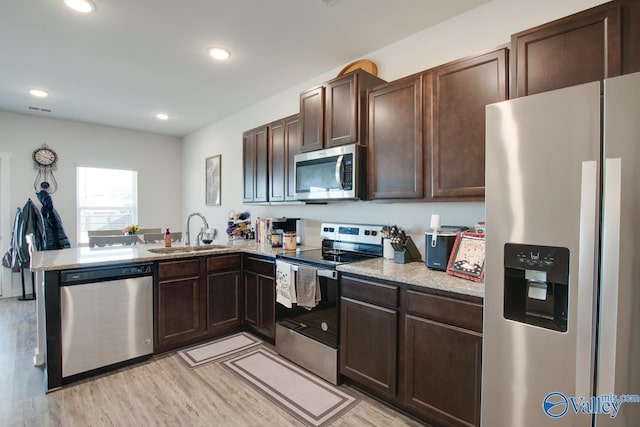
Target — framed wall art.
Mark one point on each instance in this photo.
(213, 181)
(467, 257)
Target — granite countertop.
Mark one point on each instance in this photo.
(414, 273)
(64, 259)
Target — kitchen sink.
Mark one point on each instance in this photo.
(185, 249)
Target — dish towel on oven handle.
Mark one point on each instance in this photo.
(285, 284)
(307, 287)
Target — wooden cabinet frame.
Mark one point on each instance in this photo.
(391, 141)
(456, 127)
(255, 165)
(571, 57)
(418, 349)
(312, 110)
(196, 299)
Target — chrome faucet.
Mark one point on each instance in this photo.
(187, 239)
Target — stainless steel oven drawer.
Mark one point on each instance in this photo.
(312, 355)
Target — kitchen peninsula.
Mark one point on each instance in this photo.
(199, 294)
(49, 264)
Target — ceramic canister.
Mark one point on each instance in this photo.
(289, 243)
(276, 240)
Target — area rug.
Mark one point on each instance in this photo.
(214, 350)
(305, 396)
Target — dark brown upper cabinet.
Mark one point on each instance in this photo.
(255, 165)
(346, 107)
(277, 161)
(630, 30)
(336, 113)
(460, 92)
(395, 153)
(284, 144)
(426, 131)
(293, 144)
(312, 104)
(580, 48)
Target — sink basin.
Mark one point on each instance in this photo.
(185, 249)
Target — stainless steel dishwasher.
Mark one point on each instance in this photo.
(106, 316)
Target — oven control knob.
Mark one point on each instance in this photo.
(324, 326)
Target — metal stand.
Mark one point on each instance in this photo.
(32, 295)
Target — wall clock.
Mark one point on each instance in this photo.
(45, 157)
(45, 160)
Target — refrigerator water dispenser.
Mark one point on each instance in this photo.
(536, 283)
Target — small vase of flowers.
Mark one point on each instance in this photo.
(130, 229)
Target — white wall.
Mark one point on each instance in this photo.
(478, 30)
(155, 157)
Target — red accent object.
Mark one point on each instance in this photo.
(456, 271)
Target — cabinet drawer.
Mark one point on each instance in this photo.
(168, 270)
(371, 292)
(260, 266)
(224, 262)
(464, 314)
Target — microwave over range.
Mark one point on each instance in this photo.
(332, 173)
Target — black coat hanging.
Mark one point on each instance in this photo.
(55, 237)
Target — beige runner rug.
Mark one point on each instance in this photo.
(214, 350)
(305, 396)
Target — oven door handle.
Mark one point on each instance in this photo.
(329, 274)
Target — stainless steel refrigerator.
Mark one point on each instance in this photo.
(562, 279)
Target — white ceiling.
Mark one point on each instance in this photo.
(131, 59)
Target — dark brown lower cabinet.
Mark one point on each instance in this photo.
(224, 294)
(443, 371)
(420, 351)
(260, 296)
(180, 309)
(368, 349)
(223, 302)
(197, 299)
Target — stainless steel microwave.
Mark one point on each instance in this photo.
(330, 174)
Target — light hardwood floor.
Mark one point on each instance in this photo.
(160, 392)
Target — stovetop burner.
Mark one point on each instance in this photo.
(323, 257)
(333, 252)
(342, 243)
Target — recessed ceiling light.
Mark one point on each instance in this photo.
(84, 6)
(39, 93)
(162, 116)
(219, 53)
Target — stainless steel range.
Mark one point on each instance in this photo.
(308, 334)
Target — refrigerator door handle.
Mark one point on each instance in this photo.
(610, 269)
(585, 317)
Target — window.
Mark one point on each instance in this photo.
(107, 200)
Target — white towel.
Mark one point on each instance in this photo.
(308, 287)
(285, 284)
